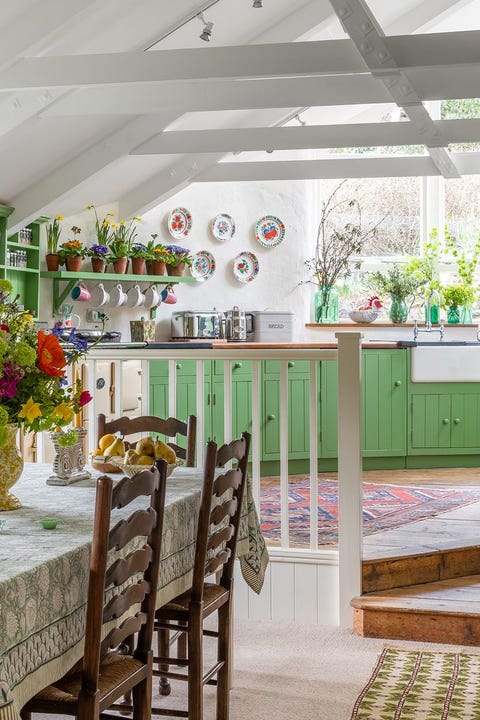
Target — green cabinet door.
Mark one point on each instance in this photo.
(445, 422)
(299, 392)
(384, 403)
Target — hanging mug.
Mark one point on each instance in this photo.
(171, 298)
(117, 296)
(135, 297)
(99, 296)
(80, 293)
(152, 298)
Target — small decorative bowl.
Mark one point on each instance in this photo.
(49, 523)
(364, 316)
(132, 470)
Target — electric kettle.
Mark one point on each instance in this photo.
(238, 324)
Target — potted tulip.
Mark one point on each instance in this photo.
(52, 257)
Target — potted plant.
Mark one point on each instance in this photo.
(120, 243)
(454, 297)
(467, 261)
(54, 230)
(400, 284)
(177, 260)
(72, 252)
(335, 244)
(98, 255)
(138, 257)
(157, 256)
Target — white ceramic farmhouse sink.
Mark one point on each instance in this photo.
(448, 363)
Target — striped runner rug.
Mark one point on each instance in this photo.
(418, 685)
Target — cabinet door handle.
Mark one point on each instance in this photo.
(178, 366)
(457, 421)
(237, 365)
(446, 421)
(397, 383)
(270, 417)
(291, 363)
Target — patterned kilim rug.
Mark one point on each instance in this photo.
(418, 685)
(384, 507)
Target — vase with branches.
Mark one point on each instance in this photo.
(337, 242)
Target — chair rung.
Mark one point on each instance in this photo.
(170, 713)
(213, 671)
(168, 674)
(211, 633)
(178, 662)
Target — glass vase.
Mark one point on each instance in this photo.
(326, 304)
(11, 467)
(453, 315)
(432, 304)
(398, 309)
(466, 315)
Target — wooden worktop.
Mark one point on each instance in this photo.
(293, 345)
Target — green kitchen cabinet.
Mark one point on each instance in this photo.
(298, 408)
(444, 419)
(384, 404)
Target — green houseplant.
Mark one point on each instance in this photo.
(54, 230)
(157, 256)
(138, 255)
(454, 297)
(120, 243)
(98, 255)
(73, 251)
(400, 284)
(177, 260)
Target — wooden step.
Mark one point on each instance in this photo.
(405, 570)
(446, 611)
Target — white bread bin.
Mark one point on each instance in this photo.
(272, 326)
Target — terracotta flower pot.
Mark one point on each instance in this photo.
(74, 264)
(98, 265)
(176, 270)
(157, 267)
(138, 266)
(53, 261)
(120, 265)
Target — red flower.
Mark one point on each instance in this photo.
(84, 398)
(4, 327)
(51, 359)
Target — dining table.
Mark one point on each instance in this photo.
(44, 572)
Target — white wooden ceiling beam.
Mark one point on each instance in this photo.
(319, 58)
(222, 95)
(382, 58)
(338, 167)
(304, 138)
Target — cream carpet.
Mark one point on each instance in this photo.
(287, 672)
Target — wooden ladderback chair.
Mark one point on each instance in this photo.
(124, 567)
(171, 427)
(212, 585)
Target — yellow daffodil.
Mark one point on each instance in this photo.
(30, 410)
(59, 218)
(63, 412)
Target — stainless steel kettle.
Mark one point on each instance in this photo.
(238, 324)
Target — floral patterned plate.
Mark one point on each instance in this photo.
(203, 265)
(223, 227)
(179, 223)
(269, 231)
(246, 266)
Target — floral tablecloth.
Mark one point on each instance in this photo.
(44, 573)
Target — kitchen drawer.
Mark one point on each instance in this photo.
(272, 367)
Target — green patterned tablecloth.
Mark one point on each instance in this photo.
(44, 573)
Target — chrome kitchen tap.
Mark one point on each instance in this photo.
(428, 325)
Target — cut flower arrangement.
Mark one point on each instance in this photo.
(34, 390)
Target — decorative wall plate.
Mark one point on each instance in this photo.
(269, 231)
(246, 266)
(223, 227)
(179, 223)
(203, 265)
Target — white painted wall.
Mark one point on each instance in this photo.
(281, 268)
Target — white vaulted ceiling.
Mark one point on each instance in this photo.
(114, 100)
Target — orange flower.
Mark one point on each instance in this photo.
(51, 359)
